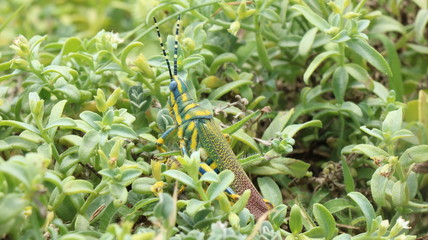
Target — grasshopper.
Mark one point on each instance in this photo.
(196, 128)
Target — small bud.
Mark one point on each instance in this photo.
(393, 160)
(234, 28)
(228, 10)
(398, 227)
(351, 15)
(383, 227)
(234, 220)
(378, 160)
(243, 12)
(223, 202)
(112, 38)
(346, 3)
(107, 40)
(112, 99)
(144, 67)
(19, 63)
(36, 107)
(373, 15)
(20, 45)
(28, 210)
(334, 7)
(157, 188)
(49, 218)
(104, 161)
(332, 30)
(189, 44)
(100, 100)
(391, 97)
(386, 170)
(115, 152)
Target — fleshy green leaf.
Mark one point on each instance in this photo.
(420, 24)
(307, 40)
(370, 150)
(238, 125)
(400, 194)
(181, 177)
(340, 83)
(89, 143)
(270, 190)
(378, 187)
(393, 121)
(242, 202)
(338, 204)
(119, 193)
(278, 124)
(312, 17)
(222, 59)
(291, 130)
(61, 122)
(295, 220)
(210, 176)
(216, 94)
(126, 52)
(11, 205)
(325, 220)
(122, 131)
(370, 54)
(416, 154)
(316, 62)
(77, 186)
(226, 178)
(246, 139)
(365, 207)
(21, 125)
(192, 61)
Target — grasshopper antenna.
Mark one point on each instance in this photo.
(177, 30)
(163, 50)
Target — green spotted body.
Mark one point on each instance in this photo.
(196, 128)
(219, 149)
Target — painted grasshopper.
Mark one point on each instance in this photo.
(196, 128)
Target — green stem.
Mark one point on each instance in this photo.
(261, 49)
(201, 191)
(423, 206)
(92, 196)
(341, 136)
(360, 6)
(172, 16)
(342, 54)
(400, 172)
(341, 46)
(390, 148)
(146, 83)
(36, 226)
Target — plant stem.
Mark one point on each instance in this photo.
(92, 196)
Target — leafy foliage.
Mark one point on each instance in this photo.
(325, 104)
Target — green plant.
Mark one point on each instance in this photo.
(325, 103)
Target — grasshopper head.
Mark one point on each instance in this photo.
(177, 87)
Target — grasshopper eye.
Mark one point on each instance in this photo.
(173, 85)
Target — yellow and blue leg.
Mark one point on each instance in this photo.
(161, 140)
(204, 167)
(211, 166)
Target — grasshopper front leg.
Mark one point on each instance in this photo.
(161, 140)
